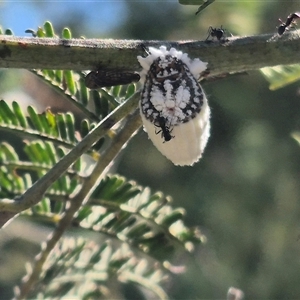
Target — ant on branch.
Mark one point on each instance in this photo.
(289, 22)
(164, 129)
(219, 33)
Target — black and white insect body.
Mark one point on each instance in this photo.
(164, 129)
(290, 21)
(218, 33)
(173, 100)
(98, 79)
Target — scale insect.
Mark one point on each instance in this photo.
(98, 79)
(173, 101)
(164, 129)
(290, 21)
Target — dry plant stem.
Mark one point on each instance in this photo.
(34, 194)
(237, 54)
(132, 124)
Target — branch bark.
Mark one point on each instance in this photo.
(237, 54)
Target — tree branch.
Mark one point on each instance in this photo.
(132, 124)
(236, 54)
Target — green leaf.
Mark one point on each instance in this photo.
(49, 30)
(33, 151)
(11, 183)
(77, 166)
(50, 150)
(76, 267)
(61, 124)
(34, 119)
(58, 128)
(70, 122)
(45, 205)
(83, 213)
(60, 152)
(116, 189)
(7, 152)
(66, 33)
(115, 90)
(45, 124)
(108, 97)
(59, 207)
(40, 33)
(59, 76)
(138, 230)
(173, 217)
(70, 86)
(70, 82)
(101, 104)
(7, 114)
(144, 220)
(53, 130)
(84, 127)
(41, 156)
(3, 115)
(9, 32)
(19, 114)
(131, 89)
(83, 92)
(203, 3)
(281, 76)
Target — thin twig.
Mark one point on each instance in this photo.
(132, 124)
(34, 194)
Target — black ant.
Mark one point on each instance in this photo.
(219, 33)
(288, 24)
(164, 129)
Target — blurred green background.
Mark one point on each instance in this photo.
(244, 193)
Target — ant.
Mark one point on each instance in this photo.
(164, 129)
(289, 22)
(219, 33)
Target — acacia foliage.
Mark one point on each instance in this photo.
(128, 234)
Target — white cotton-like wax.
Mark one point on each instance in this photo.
(173, 106)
